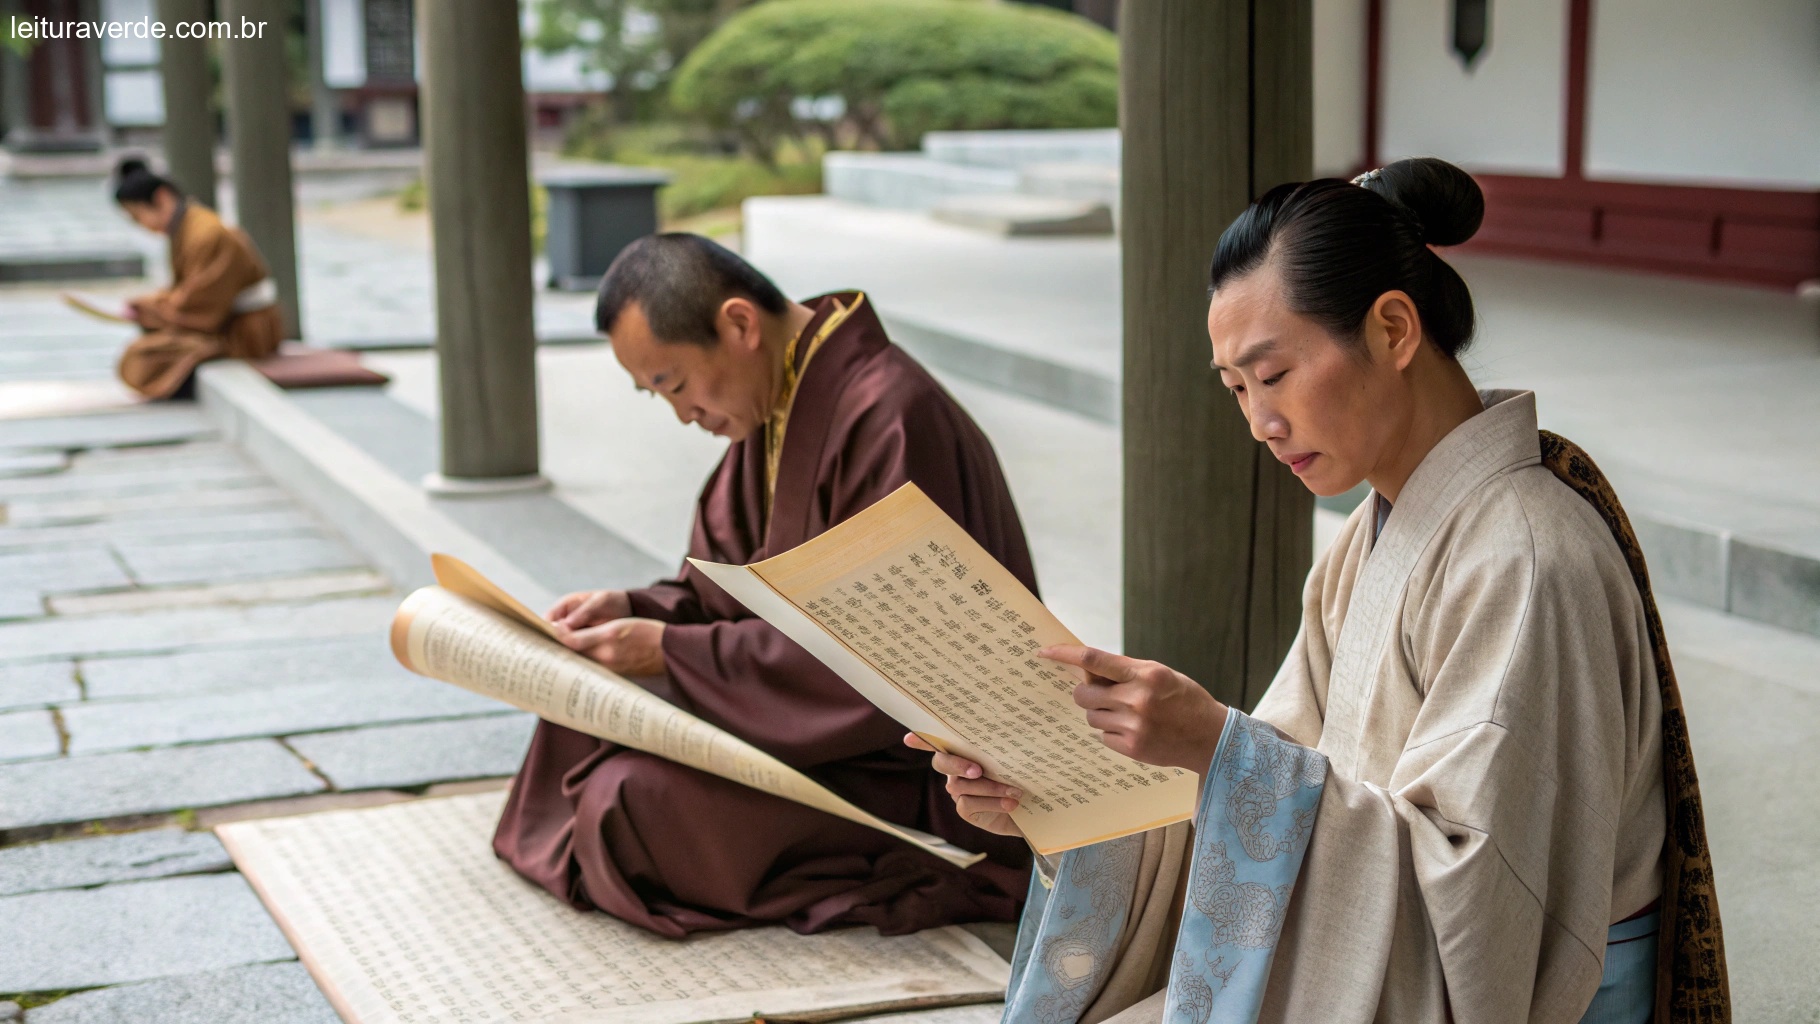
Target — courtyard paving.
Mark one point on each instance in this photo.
(181, 643)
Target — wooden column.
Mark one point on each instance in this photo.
(1216, 105)
(257, 73)
(189, 118)
(475, 173)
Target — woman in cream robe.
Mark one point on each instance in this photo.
(221, 302)
(1450, 804)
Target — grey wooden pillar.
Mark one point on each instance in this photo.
(189, 120)
(1216, 106)
(475, 173)
(257, 71)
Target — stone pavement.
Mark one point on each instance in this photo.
(180, 643)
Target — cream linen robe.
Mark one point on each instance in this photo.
(1479, 678)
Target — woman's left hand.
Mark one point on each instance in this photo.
(1144, 710)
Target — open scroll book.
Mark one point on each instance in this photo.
(469, 632)
(914, 614)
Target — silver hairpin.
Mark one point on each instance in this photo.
(1368, 177)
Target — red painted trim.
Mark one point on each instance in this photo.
(1754, 236)
(1579, 40)
(1374, 63)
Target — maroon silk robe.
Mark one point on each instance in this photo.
(676, 850)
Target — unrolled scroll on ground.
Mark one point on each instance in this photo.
(403, 916)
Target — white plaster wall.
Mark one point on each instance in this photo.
(1339, 86)
(1703, 91)
(1504, 116)
(344, 44)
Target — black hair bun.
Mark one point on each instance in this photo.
(1442, 198)
(130, 166)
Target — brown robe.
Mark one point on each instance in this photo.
(676, 850)
(193, 320)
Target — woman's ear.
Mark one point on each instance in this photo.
(1395, 327)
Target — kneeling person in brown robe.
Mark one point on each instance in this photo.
(825, 416)
(221, 302)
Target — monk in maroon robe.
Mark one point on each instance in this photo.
(826, 416)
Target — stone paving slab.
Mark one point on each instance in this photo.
(148, 632)
(32, 463)
(38, 683)
(50, 512)
(129, 856)
(347, 583)
(28, 736)
(59, 571)
(68, 789)
(127, 483)
(222, 561)
(363, 658)
(164, 456)
(74, 365)
(134, 931)
(268, 711)
(156, 526)
(21, 604)
(279, 993)
(157, 424)
(419, 754)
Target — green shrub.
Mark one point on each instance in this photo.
(900, 68)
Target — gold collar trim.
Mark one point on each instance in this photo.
(786, 399)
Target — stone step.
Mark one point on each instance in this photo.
(1024, 216)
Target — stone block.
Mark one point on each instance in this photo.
(134, 931)
(420, 753)
(21, 603)
(1021, 216)
(159, 525)
(907, 181)
(1685, 560)
(1021, 148)
(217, 561)
(37, 683)
(277, 993)
(32, 463)
(127, 857)
(70, 789)
(1775, 585)
(148, 632)
(291, 588)
(28, 736)
(268, 711)
(35, 512)
(62, 570)
(168, 457)
(128, 482)
(350, 659)
(154, 424)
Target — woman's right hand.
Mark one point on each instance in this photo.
(983, 803)
(589, 608)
